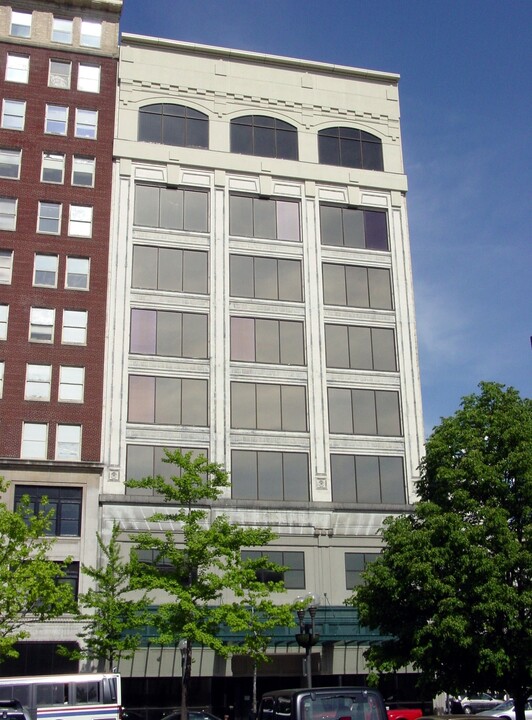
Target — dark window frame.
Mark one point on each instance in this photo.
(389, 488)
(253, 134)
(258, 338)
(57, 495)
(285, 458)
(369, 288)
(373, 237)
(255, 262)
(290, 576)
(350, 147)
(372, 397)
(354, 574)
(185, 224)
(164, 122)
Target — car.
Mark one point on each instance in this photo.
(323, 703)
(192, 714)
(474, 703)
(506, 710)
(404, 713)
(13, 710)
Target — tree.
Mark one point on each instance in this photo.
(195, 561)
(29, 587)
(114, 617)
(453, 585)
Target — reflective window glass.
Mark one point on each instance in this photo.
(349, 147)
(264, 136)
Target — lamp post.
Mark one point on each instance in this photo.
(307, 637)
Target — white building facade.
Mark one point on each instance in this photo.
(261, 312)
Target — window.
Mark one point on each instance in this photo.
(89, 78)
(56, 120)
(172, 334)
(364, 412)
(267, 218)
(172, 208)
(173, 125)
(294, 577)
(71, 384)
(356, 286)
(34, 441)
(350, 147)
(80, 221)
(355, 564)
(87, 693)
(83, 171)
(367, 479)
(74, 327)
(59, 74)
(8, 213)
(20, 24)
(42, 325)
(38, 382)
(68, 442)
(264, 136)
(62, 31)
(77, 273)
(53, 167)
(10, 163)
(360, 348)
(147, 461)
(168, 401)
(2, 373)
(353, 227)
(13, 114)
(4, 316)
(269, 475)
(263, 340)
(53, 693)
(64, 501)
(45, 270)
(265, 278)
(91, 34)
(17, 68)
(6, 266)
(86, 124)
(70, 577)
(49, 220)
(262, 406)
(172, 269)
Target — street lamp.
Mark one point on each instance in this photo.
(306, 637)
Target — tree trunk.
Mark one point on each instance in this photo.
(186, 667)
(254, 700)
(519, 704)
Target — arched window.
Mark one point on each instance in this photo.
(264, 136)
(349, 147)
(173, 125)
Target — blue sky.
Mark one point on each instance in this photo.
(466, 105)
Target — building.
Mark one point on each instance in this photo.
(261, 312)
(58, 82)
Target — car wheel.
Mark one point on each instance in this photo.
(467, 710)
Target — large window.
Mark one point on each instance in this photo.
(294, 577)
(68, 442)
(59, 74)
(49, 218)
(264, 406)
(17, 68)
(38, 382)
(353, 411)
(168, 401)
(86, 124)
(167, 333)
(267, 218)
(6, 266)
(53, 168)
(349, 147)
(147, 461)
(34, 441)
(10, 163)
(20, 24)
(257, 475)
(172, 208)
(4, 317)
(367, 479)
(8, 213)
(42, 322)
(265, 278)
(172, 269)
(80, 221)
(357, 286)
(355, 564)
(83, 171)
(173, 125)
(74, 327)
(353, 227)
(45, 270)
(56, 120)
(13, 114)
(91, 34)
(88, 78)
(264, 136)
(71, 384)
(62, 31)
(77, 273)
(360, 348)
(263, 340)
(65, 502)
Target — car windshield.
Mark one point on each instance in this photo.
(508, 705)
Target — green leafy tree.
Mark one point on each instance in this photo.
(197, 564)
(453, 585)
(114, 617)
(29, 587)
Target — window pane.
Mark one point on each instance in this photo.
(168, 401)
(268, 407)
(241, 276)
(267, 341)
(77, 273)
(392, 480)
(296, 480)
(17, 68)
(368, 483)
(59, 74)
(292, 343)
(170, 269)
(171, 212)
(83, 170)
(86, 124)
(340, 411)
(387, 404)
(383, 349)
(244, 474)
(334, 291)
(91, 34)
(360, 348)
(141, 399)
(197, 133)
(287, 220)
(376, 230)
(264, 218)
(270, 472)
(45, 270)
(294, 407)
(68, 442)
(13, 114)
(195, 403)
(241, 216)
(336, 346)
(20, 24)
(343, 478)
(143, 331)
(364, 412)
(144, 267)
(169, 333)
(353, 227)
(243, 405)
(357, 286)
(6, 266)
(243, 339)
(380, 293)
(62, 31)
(195, 328)
(266, 279)
(195, 272)
(196, 211)
(139, 462)
(328, 149)
(241, 138)
(331, 225)
(290, 287)
(147, 205)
